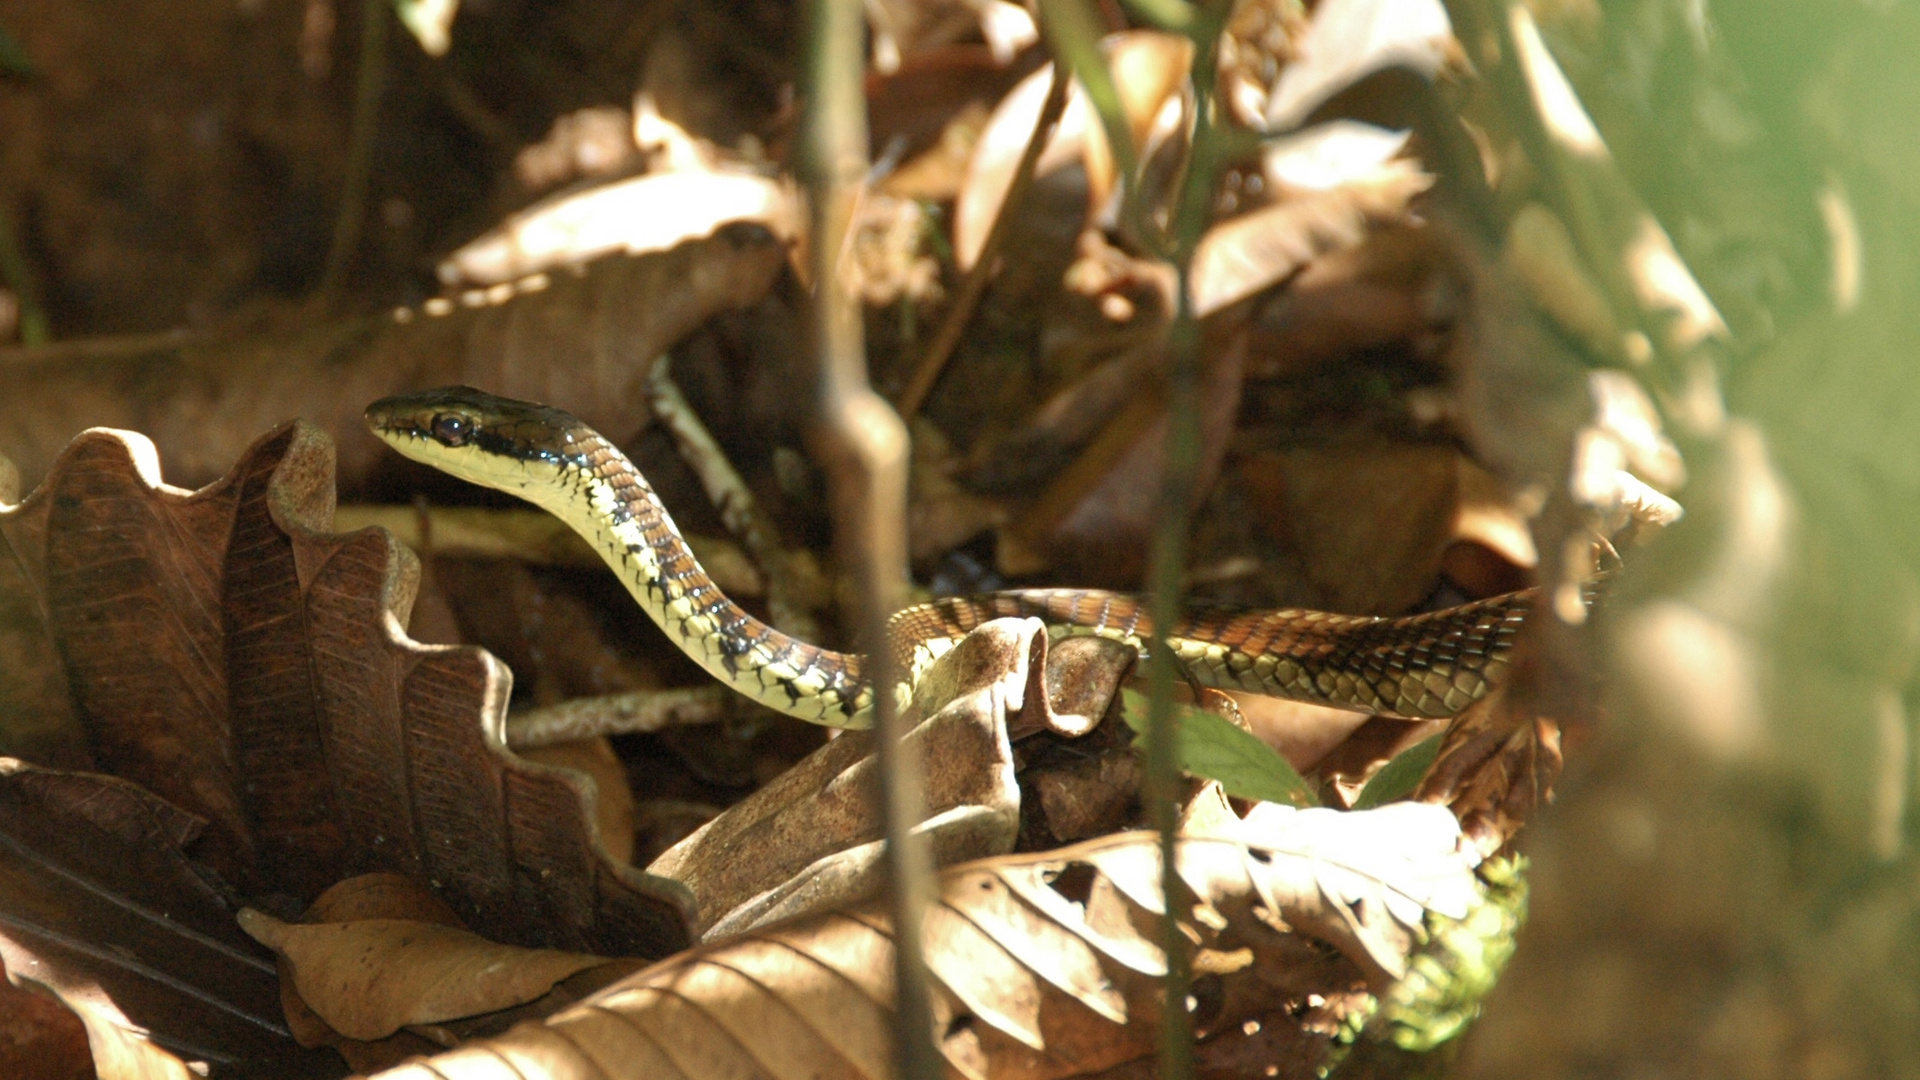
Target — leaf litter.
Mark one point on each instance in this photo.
(226, 651)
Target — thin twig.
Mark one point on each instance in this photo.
(636, 712)
(728, 491)
(932, 362)
(865, 445)
(369, 83)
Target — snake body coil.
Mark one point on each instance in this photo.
(1421, 666)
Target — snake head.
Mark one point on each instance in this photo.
(483, 439)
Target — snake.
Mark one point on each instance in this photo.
(1423, 666)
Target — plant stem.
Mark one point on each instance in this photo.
(1168, 565)
(865, 446)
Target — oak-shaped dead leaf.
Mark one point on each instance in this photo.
(1045, 965)
(226, 652)
(1149, 68)
(368, 979)
(613, 800)
(100, 905)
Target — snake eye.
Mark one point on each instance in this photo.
(451, 429)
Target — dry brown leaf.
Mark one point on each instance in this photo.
(1045, 965)
(941, 515)
(809, 839)
(369, 896)
(1246, 254)
(997, 152)
(581, 344)
(41, 1037)
(613, 799)
(904, 29)
(1013, 462)
(1498, 761)
(123, 1053)
(226, 652)
(1389, 289)
(587, 142)
(1365, 522)
(369, 978)
(1344, 42)
(1149, 67)
(99, 904)
(638, 216)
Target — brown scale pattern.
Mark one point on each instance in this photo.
(1417, 667)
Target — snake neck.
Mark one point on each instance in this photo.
(605, 498)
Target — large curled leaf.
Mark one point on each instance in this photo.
(1046, 964)
(226, 652)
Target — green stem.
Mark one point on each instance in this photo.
(1192, 214)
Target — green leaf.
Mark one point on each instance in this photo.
(1213, 747)
(1400, 776)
